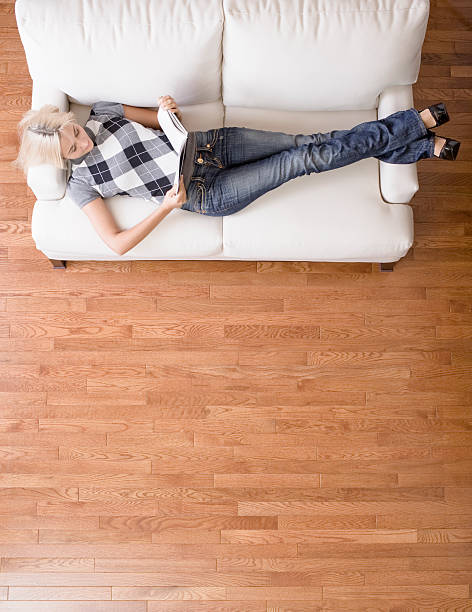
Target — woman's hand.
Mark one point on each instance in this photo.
(171, 200)
(168, 103)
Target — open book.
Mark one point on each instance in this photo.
(177, 135)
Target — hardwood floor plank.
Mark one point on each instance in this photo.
(71, 606)
(62, 593)
(208, 606)
(418, 578)
(397, 592)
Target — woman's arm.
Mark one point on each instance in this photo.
(144, 116)
(148, 116)
(127, 239)
(124, 240)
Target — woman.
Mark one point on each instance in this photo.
(121, 150)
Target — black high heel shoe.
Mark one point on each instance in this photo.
(439, 113)
(450, 149)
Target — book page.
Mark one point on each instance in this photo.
(172, 128)
(177, 135)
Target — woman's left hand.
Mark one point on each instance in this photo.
(168, 103)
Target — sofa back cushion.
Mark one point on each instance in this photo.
(125, 50)
(307, 55)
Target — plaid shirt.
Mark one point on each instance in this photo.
(127, 159)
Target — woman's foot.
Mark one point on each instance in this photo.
(428, 119)
(438, 145)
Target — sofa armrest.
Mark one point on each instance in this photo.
(398, 182)
(46, 181)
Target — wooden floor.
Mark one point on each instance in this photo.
(241, 436)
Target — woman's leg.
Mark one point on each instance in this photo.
(399, 138)
(239, 145)
(421, 148)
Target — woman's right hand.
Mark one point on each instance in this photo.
(171, 200)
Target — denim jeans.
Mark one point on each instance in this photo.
(236, 165)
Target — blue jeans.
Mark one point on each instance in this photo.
(235, 165)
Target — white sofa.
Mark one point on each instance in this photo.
(298, 66)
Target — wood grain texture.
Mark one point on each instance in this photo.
(225, 436)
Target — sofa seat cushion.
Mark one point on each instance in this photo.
(338, 215)
(63, 231)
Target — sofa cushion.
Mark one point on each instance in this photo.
(338, 215)
(125, 50)
(62, 231)
(319, 54)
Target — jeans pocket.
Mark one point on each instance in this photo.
(212, 143)
(197, 195)
(204, 156)
(213, 161)
(202, 198)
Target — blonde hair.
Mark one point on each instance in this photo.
(38, 134)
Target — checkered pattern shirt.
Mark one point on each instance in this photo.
(127, 159)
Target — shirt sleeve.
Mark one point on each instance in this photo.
(112, 109)
(81, 193)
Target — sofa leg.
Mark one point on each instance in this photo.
(387, 267)
(58, 264)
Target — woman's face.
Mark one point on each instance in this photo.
(74, 141)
